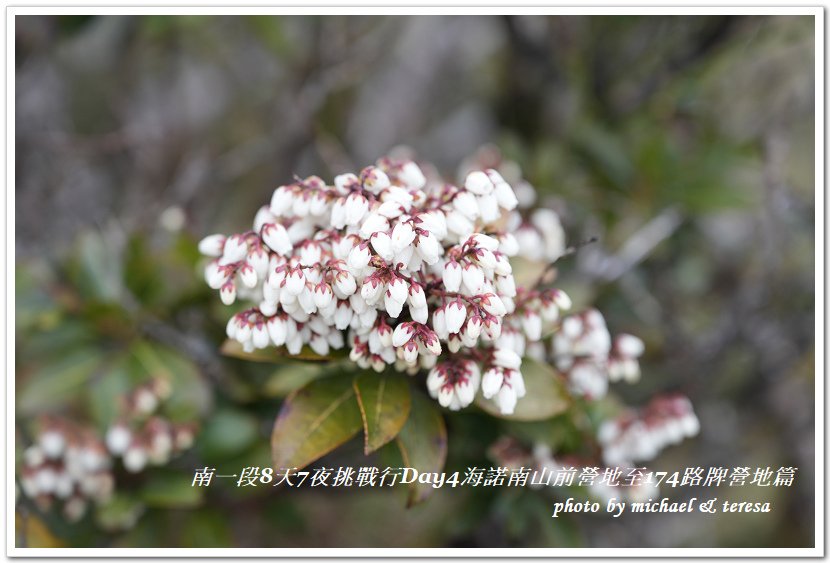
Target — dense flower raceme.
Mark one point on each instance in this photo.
(402, 270)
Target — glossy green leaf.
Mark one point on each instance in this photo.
(423, 443)
(546, 394)
(313, 421)
(384, 407)
(287, 379)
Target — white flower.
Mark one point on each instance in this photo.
(248, 275)
(452, 276)
(359, 257)
(489, 206)
(506, 358)
(276, 237)
(375, 180)
(215, 275)
(412, 176)
(478, 183)
(373, 223)
(356, 208)
(465, 203)
(473, 278)
(344, 181)
(506, 400)
(345, 284)
(235, 249)
(228, 293)
(402, 235)
(630, 345)
(402, 334)
(532, 325)
(428, 247)
(491, 383)
(294, 282)
(456, 314)
(382, 244)
(505, 196)
(282, 201)
(212, 245)
(135, 458)
(508, 245)
(416, 297)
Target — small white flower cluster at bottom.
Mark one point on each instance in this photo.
(637, 490)
(140, 437)
(640, 436)
(67, 463)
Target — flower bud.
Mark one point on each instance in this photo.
(212, 245)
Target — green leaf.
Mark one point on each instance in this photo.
(423, 444)
(228, 432)
(233, 349)
(291, 377)
(57, 382)
(313, 421)
(121, 512)
(384, 407)
(546, 394)
(96, 268)
(141, 274)
(169, 489)
(107, 390)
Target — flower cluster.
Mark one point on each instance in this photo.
(600, 489)
(640, 436)
(67, 463)
(140, 436)
(402, 269)
(584, 351)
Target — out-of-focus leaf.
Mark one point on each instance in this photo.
(206, 528)
(313, 421)
(56, 382)
(141, 271)
(233, 349)
(121, 512)
(33, 306)
(423, 444)
(30, 531)
(227, 433)
(169, 489)
(66, 336)
(546, 394)
(292, 377)
(605, 153)
(96, 269)
(104, 394)
(384, 407)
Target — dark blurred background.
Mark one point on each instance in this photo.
(686, 144)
